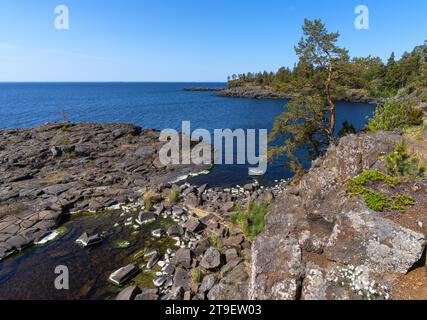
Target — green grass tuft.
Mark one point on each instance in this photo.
(252, 218)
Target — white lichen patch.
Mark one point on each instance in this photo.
(358, 280)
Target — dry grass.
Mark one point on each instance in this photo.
(55, 177)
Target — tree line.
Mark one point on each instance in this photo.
(325, 73)
(368, 76)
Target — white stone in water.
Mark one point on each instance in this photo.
(420, 224)
(51, 236)
(116, 225)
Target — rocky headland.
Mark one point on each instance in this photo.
(265, 92)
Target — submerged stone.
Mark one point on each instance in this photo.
(87, 241)
(123, 274)
(146, 218)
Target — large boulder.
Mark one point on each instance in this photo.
(365, 238)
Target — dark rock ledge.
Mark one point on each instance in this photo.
(60, 168)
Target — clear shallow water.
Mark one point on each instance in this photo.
(31, 274)
(155, 105)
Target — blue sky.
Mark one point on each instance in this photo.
(187, 40)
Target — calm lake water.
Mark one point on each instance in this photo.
(159, 106)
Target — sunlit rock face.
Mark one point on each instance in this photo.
(319, 243)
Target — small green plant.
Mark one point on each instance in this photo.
(197, 276)
(376, 201)
(173, 196)
(401, 163)
(400, 202)
(395, 115)
(358, 184)
(252, 218)
(148, 200)
(215, 240)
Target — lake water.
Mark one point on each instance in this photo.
(155, 105)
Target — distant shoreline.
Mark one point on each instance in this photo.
(203, 89)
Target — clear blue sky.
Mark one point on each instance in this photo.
(187, 40)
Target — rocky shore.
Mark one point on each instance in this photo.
(319, 242)
(203, 89)
(60, 168)
(252, 92)
(211, 257)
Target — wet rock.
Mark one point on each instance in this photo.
(160, 281)
(122, 275)
(158, 233)
(146, 218)
(129, 293)
(88, 241)
(211, 259)
(153, 260)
